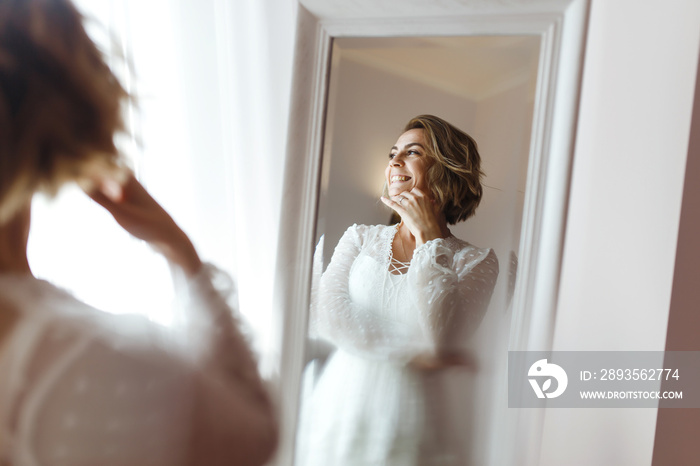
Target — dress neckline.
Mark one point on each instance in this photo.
(393, 266)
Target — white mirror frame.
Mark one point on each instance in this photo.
(561, 24)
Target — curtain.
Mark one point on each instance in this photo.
(207, 138)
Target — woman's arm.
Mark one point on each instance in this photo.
(232, 411)
(452, 290)
(234, 420)
(139, 214)
(336, 318)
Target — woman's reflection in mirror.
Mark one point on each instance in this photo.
(399, 303)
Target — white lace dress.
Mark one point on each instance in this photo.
(79, 387)
(369, 407)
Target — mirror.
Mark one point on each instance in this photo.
(484, 85)
(559, 27)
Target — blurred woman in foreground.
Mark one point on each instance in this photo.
(79, 386)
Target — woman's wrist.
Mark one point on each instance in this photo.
(181, 253)
(429, 230)
(429, 235)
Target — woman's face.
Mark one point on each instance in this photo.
(408, 164)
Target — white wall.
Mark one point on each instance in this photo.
(630, 154)
(503, 123)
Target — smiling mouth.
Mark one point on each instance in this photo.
(400, 178)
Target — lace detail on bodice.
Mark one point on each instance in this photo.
(396, 267)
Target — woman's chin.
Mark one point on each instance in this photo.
(396, 191)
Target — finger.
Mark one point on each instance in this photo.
(413, 203)
(111, 184)
(424, 195)
(416, 192)
(118, 208)
(131, 195)
(397, 207)
(418, 198)
(420, 193)
(407, 204)
(403, 201)
(464, 360)
(120, 211)
(392, 204)
(112, 189)
(404, 198)
(102, 199)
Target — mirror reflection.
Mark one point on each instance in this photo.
(409, 320)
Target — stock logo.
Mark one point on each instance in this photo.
(544, 371)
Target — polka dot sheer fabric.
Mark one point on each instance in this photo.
(83, 387)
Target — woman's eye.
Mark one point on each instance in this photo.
(413, 152)
(391, 156)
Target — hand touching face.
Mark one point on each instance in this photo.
(139, 214)
(407, 185)
(408, 164)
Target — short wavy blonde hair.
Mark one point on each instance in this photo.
(60, 104)
(455, 175)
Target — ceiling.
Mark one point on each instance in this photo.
(473, 67)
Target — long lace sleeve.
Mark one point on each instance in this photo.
(231, 403)
(451, 287)
(215, 335)
(353, 327)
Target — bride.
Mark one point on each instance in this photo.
(398, 302)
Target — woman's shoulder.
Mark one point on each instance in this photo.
(363, 229)
(472, 253)
(368, 232)
(58, 339)
(69, 365)
(55, 314)
(36, 298)
(462, 245)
